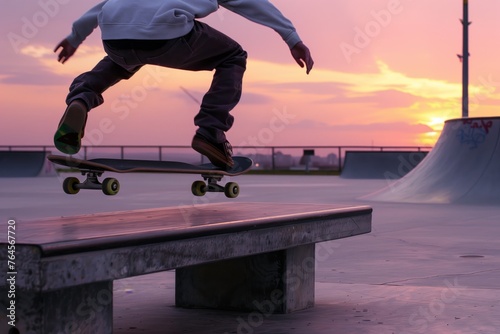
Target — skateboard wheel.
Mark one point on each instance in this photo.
(231, 190)
(199, 188)
(69, 185)
(110, 186)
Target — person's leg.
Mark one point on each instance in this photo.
(205, 48)
(213, 50)
(85, 93)
(214, 118)
(90, 85)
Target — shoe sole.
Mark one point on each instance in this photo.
(65, 147)
(64, 130)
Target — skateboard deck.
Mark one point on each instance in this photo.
(94, 168)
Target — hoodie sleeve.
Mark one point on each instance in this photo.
(85, 25)
(265, 13)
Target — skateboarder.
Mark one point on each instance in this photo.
(167, 33)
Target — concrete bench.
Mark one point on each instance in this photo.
(231, 256)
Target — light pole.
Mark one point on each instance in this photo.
(465, 61)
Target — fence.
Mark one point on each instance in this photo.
(265, 157)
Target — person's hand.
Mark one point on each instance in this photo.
(67, 51)
(302, 56)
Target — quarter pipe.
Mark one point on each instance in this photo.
(25, 164)
(463, 167)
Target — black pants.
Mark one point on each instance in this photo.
(204, 48)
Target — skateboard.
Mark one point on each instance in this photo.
(94, 168)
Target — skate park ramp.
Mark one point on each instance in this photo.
(463, 167)
(25, 164)
(390, 165)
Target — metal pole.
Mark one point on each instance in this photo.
(273, 166)
(465, 61)
(340, 159)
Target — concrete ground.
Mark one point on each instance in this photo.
(423, 268)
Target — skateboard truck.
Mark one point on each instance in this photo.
(200, 188)
(109, 186)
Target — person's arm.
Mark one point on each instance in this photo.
(265, 13)
(82, 28)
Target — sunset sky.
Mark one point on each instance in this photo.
(386, 73)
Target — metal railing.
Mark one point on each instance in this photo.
(265, 157)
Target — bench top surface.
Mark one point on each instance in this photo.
(171, 223)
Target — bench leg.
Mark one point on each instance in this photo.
(81, 309)
(276, 282)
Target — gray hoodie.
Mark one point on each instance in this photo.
(167, 19)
